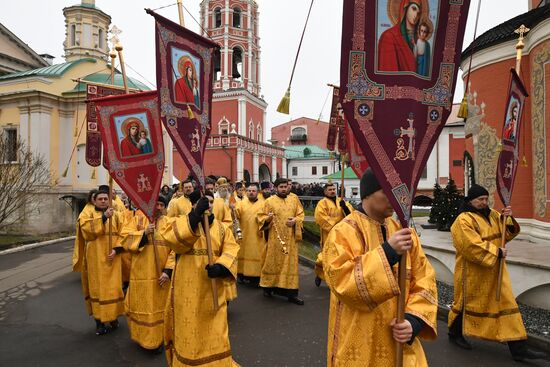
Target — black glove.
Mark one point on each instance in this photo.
(344, 207)
(217, 271)
(195, 217)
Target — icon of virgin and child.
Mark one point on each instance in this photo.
(405, 46)
(186, 86)
(134, 137)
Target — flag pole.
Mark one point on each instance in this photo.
(180, 12)
(118, 48)
(342, 189)
(111, 217)
(519, 53)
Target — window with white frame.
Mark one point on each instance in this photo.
(294, 171)
(251, 130)
(223, 127)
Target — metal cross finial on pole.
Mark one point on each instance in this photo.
(522, 30)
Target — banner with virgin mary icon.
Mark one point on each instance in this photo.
(399, 64)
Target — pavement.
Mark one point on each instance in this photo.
(43, 323)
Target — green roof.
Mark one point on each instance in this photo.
(52, 71)
(105, 78)
(307, 152)
(348, 174)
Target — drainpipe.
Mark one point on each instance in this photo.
(230, 161)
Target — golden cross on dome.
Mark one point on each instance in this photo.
(115, 32)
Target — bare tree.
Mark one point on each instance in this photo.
(22, 173)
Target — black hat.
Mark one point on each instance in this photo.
(476, 191)
(194, 197)
(369, 184)
(238, 185)
(208, 193)
(265, 185)
(103, 189)
(162, 199)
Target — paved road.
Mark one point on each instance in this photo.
(43, 323)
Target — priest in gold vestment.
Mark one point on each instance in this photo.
(253, 242)
(101, 269)
(361, 257)
(475, 312)
(195, 334)
(152, 265)
(181, 205)
(282, 217)
(328, 212)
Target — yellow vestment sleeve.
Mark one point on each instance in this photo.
(131, 234)
(177, 233)
(360, 280)
(170, 261)
(229, 251)
(468, 241)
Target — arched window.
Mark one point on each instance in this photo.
(217, 65)
(73, 35)
(237, 18)
(251, 130)
(100, 42)
(223, 127)
(217, 18)
(260, 135)
(237, 68)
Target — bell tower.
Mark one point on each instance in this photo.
(233, 24)
(86, 28)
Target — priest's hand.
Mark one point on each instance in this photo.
(402, 332)
(401, 241)
(150, 228)
(507, 211)
(109, 212)
(111, 256)
(217, 271)
(290, 222)
(502, 253)
(163, 279)
(269, 216)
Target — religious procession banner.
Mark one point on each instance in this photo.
(93, 136)
(185, 72)
(398, 73)
(508, 158)
(131, 132)
(357, 160)
(332, 135)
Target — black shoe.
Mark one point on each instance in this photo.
(268, 293)
(317, 281)
(114, 325)
(529, 354)
(158, 350)
(296, 301)
(100, 329)
(460, 341)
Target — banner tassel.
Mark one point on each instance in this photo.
(284, 105)
(524, 162)
(463, 111)
(190, 113)
(64, 174)
(93, 175)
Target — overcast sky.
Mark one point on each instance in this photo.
(41, 25)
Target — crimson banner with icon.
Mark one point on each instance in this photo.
(185, 73)
(508, 158)
(131, 132)
(399, 63)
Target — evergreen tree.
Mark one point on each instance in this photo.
(436, 204)
(452, 201)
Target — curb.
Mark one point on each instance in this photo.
(443, 312)
(31, 246)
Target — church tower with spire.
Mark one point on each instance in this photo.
(237, 148)
(86, 29)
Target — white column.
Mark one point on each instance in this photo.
(24, 116)
(225, 83)
(240, 164)
(102, 176)
(273, 167)
(264, 128)
(284, 173)
(40, 131)
(250, 42)
(243, 125)
(255, 166)
(168, 160)
(66, 138)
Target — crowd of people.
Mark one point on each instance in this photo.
(174, 277)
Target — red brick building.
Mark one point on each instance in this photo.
(493, 54)
(237, 147)
(301, 131)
